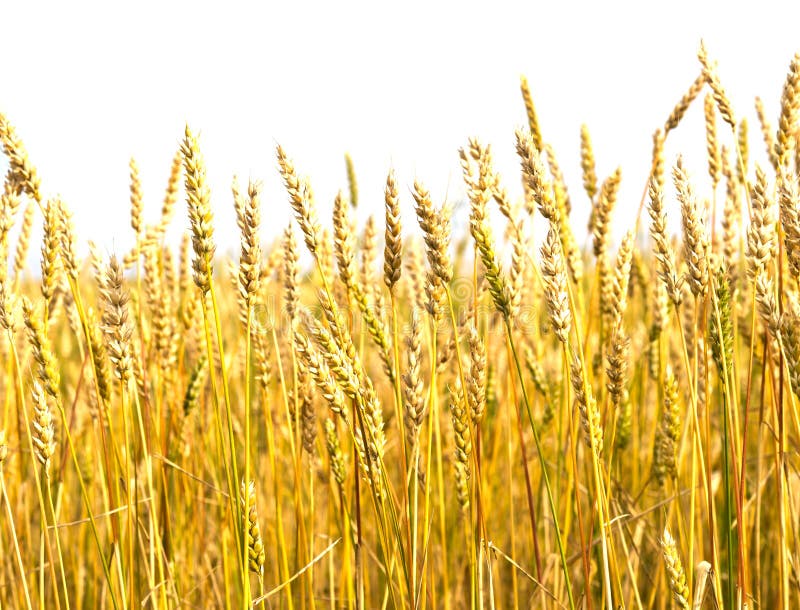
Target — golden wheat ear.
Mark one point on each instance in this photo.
(198, 197)
(255, 545)
(22, 174)
(393, 250)
(675, 573)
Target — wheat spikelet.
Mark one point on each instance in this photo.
(587, 406)
(369, 252)
(170, 193)
(393, 249)
(588, 163)
(154, 234)
(199, 202)
(695, 240)
(657, 160)
(534, 177)
(9, 205)
(530, 110)
(790, 340)
(301, 199)
(606, 279)
(516, 276)
(445, 354)
(624, 431)
(261, 352)
(21, 173)
(554, 204)
(712, 146)
(414, 400)
(639, 277)
(168, 271)
(761, 236)
(343, 242)
(668, 437)
(767, 134)
(137, 204)
(675, 573)
(767, 305)
(462, 439)
(555, 280)
(712, 78)
(621, 279)
(346, 367)
(617, 369)
(542, 383)
(23, 241)
(501, 198)
(601, 211)
(307, 414)
(290, 260)
(789, 205)
(344, 246)
(435, 225)
(255, 545)
(744, 151)
(318, 368)
(48, 370)
(99, 357)
(352, 183)
(8, 309)
(435, 297)
(415, 269)
(334, 453)
(731, 217)
(194, 387)
(66, 238)
(790, 106)
(721, 325)
(160, 303)
(476, 379)
(683, 104)
(43, 433)
(478, 189)
(559, 182)
(116, 328)
(660, 312)
(184, 264)
(50, 250)
(249, 217)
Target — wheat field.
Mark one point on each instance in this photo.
(396, 415)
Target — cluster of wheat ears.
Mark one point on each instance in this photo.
(462, 422)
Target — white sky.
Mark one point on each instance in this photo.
(88, 85)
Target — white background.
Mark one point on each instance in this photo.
(88, 85)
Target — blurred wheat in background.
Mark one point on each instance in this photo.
(518, 414)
